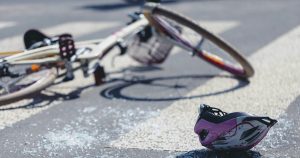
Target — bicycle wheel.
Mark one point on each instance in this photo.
(187, 34)
(23, 83)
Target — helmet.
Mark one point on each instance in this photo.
(219, 130)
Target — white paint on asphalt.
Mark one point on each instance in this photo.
(218, 27)
(274, 86)
(75, 28)
(6, 24)
(10, 114)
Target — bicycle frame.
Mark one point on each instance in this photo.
(98, 48)
(88, 53)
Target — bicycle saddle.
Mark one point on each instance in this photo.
(34, 39)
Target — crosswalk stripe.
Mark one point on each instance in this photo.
(6, 24)
(75, 28)
(271, 90)
(218, 27)
(17, 112)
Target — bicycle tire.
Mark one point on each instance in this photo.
(246, 70)
(34, 88)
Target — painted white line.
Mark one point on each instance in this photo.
(79, 28)
(9, 117)
(75, 28)
(6, 24)
(218, 27)
(274, 86)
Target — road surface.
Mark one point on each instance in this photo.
(151, 111)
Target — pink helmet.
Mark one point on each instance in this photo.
(219, 130)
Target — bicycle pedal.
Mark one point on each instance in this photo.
(66, 46)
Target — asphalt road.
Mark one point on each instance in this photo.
(151, 111)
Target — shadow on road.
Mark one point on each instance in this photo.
(213, 154)
(48, 96)
(160, 85)
(41, 100)
(120, 5)
(167, 88)
(112, 6)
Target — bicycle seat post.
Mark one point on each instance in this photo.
(69, 68)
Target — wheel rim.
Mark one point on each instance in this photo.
(219, 58)
(9, 85)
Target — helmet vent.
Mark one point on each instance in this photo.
(248, 132)
(203, 134)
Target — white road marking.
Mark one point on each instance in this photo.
(75, 28)
(218, 27)
(11, 116)
(6, 24)
(274, 86)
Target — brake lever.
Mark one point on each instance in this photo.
(134, 17)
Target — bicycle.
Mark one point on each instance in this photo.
(155, 21)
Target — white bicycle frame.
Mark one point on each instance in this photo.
(96, 48)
